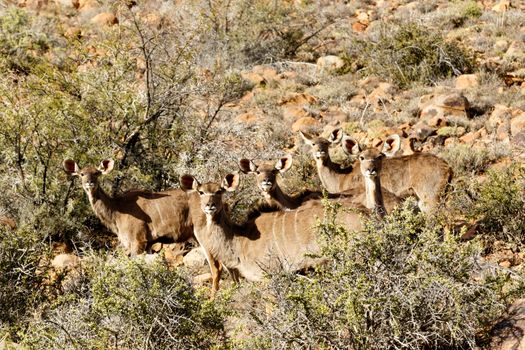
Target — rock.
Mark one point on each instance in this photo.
(87, 5)
(330, 63)
(517, 124)
(501, 6)
(73, 33)
(105, 19)
(298, 99)
(65, 261)
(195, 258)
(305, 124)
(203, 278)
(453, 104)
(470, 137)
(359, 27)
(382, 94)
(254, 78)
(422, 131)
(295, 112)
(515, 51)
(500, 115)
(247, 118)
(509, 332)
(437, 122)
(501, 45)
(467, 81)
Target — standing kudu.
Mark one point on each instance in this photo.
(421, 173)
(270, 240)
(139, 218)
(266, 177)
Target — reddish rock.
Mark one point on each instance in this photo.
(105, 19)
(304, 124)
(295, 112)
(359, 27)
(247, 118)
(470, 137)
(298, 99)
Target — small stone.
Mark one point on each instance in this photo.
(65, 261)
(195, 258)
(467, 81)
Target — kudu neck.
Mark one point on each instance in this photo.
(103, 206)
(374, 195)
(277, 197)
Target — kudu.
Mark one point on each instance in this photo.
(266, 177)
(139, 218)
(285, 239)
(422, 174)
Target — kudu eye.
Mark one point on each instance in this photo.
(361, 158)
(201, 193)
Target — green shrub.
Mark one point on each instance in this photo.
(399, 284)
(21, 282)
(499, 205)
(129, 304)
(467, 160)
(409, 53)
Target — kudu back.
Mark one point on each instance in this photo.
(422, 174)
(139, 218)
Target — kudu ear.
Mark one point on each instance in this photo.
(231, 182)
(335, 136)
(391, 145)
(188, 182)
(350, 145)
(70, 167)
(247, 166)
(306, 138)
(284, 163)
(106, 166)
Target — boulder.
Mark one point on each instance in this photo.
(517, 124)
(452, 104)
(305, 124)
(195, 258)
(104, 19)
(330, 63)
(467, 81)
(501, 6)
(509, 332)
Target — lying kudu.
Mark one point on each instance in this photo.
(266, 177)
(139, 218)
(424, 174)
(272, 239)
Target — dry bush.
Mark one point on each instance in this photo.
(399, 284)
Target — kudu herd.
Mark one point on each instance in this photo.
(282, 237)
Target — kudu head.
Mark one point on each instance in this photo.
(210, 193)
(371, 159)
(266, 171)
(319, 146)
(89, 174)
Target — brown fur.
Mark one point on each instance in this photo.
(269, 240)
(139, 218)
(266, 177)
(424, 174)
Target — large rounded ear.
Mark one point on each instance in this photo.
(284, 163)
(306, 138)
(247, 166)
(70, 167)
(106, 166)
(188, 182)
(391, 145)
(231, 182)
(350, 145)
(336, 135)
